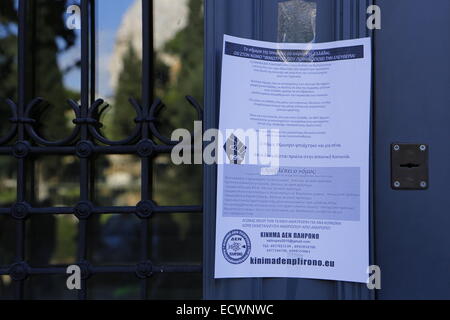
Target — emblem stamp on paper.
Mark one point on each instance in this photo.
(236, 246)
(235, 149)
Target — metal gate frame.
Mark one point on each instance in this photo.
(86, 141)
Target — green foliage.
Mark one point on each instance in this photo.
(45, 76)
(173, 185)
(183, 184)
(8, 56)
(66, 232)
(50, 39)
(128, 87)
(187, 45)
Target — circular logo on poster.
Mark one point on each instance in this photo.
(236, 246)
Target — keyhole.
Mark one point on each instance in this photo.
(410, 165)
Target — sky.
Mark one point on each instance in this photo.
(109, 18)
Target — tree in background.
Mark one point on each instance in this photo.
(8, 86)
(129, 86)
(8, 55)
(50, 39)
(184, 183)
(173, 185)
(171, 87)
(187, 45)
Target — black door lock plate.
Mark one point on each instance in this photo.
(409, 166)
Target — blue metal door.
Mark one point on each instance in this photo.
(412, 100)
(270, 20)
(411, 96)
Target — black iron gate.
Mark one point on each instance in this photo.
(23, 142)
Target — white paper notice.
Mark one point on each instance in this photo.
(306, 216)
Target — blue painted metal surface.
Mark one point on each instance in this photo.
(257, 19)
(412, 69)
(411, 99)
